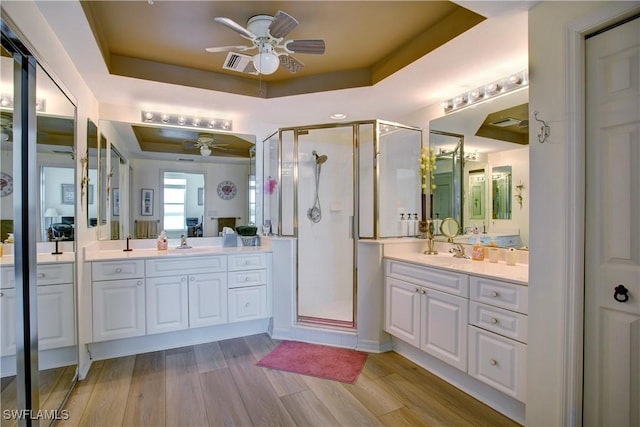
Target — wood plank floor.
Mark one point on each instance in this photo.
(219, 384)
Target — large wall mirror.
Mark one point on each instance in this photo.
(55, 198)
(491, 190)
(90, 188)
(188, 181)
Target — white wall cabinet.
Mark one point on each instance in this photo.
(476, 324)
(56, 325)
(118, 309)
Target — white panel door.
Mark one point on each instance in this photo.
(207, 299)
(56, 327)
(612, 238)
(118, 309)
(167, 304)
(7, 322)
(443, 327)
(402, 310)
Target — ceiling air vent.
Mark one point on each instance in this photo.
(240, 63)
(508, 121)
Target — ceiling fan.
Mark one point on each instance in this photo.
(267, 34)
(205, 144)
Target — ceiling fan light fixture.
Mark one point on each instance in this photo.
(205, 151)
(266, 62)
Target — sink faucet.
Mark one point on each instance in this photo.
(128, 249)
(183, 243)
(458, 251)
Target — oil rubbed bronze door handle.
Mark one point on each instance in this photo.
(621, 294)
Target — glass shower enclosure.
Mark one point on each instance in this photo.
(329, 186)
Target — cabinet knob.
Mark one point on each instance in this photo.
(192, 278)
(118, 270)
(246, 278)
(1, 294)
(247, 262)
(494, 294)
(494, 320)
(417, 289)
(424, 291)
(139, 282)
(40, 275)
(247, 305)
(493, 362)
(184, 279)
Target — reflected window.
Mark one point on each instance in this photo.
(175, 190)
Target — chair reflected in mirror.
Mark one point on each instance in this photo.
(62, 231)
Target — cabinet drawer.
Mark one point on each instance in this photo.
(248, 303)
(249, 261)
(52, 274)
(499, 294)
(498, 361)
(48, 274)
(446, 281)
(504, 322)
(114, 270)
(191, 265)
(242, 278)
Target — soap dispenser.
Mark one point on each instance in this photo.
(162, 242)
(477, 251)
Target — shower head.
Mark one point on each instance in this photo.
(319, 159)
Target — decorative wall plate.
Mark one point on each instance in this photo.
(6, 184)
(227, 190)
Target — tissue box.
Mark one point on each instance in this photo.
(229, 240)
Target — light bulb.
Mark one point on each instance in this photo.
(266, 62)
(205, 151)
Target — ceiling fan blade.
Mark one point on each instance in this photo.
(305, 46)
(282, 24)
(228, 48)
(230, 23)
(291, 63)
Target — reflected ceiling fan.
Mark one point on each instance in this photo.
(205, 144)
(266, 34)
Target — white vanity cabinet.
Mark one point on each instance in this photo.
(185, 293)
(247, 282)
(421, 314)
(118, 299)
(56, 326)
(498, 335)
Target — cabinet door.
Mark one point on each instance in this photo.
(443, 327)
(498, 361)
(55, 316)
(118, 309)
(167, 304)
(207, 299)
(402, 310)
(7, 322)
(247, 303)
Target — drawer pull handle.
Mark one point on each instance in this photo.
(494, 320)
(495, 294)
(493, 362)
(118, 270)
(40, 275)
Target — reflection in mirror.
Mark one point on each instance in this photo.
(183, 204)
(92, 174)
(102, 180)
(114, 191)
(495, 134)
(477, 194)
(501, 192)
(446, 194)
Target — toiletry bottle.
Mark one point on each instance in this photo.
(405, 225)
(477, 252)
(401, 225)
(411, 226)
(162, 242)
(416, 228)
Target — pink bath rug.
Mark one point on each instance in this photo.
(338, 364)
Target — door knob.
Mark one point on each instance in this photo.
(621, 294)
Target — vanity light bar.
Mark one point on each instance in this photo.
(184, 120)
(6, 101)
(483, 93)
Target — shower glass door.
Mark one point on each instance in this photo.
(325, 221)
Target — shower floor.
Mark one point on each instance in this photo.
(341, 310)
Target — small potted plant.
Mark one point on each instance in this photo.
(248, 234)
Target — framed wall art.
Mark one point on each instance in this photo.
(147, 202)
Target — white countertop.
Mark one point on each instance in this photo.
(518, 273)
(42, 258)
(143, 253)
